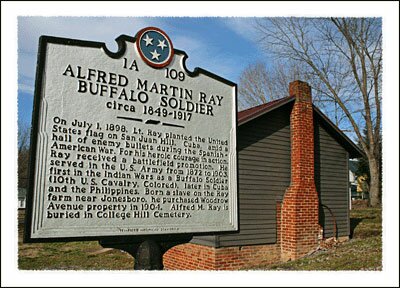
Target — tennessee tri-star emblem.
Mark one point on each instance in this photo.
(154, 47)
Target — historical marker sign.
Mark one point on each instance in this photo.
(130, 143)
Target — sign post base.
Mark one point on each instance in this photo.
(147, 251)
(149, 256)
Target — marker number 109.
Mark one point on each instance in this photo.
(173, 74)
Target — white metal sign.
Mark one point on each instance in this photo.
(130, 143)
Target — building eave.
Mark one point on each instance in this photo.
(351, 147)
(264, 110)
(249, 115)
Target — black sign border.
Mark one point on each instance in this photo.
(40, 65)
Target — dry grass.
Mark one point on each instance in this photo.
(87, 255)
(362, 252)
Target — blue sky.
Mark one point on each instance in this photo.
(222, 45)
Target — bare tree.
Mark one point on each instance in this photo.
(23, 154)
(23, 136)
(259, 83)
(343, 57)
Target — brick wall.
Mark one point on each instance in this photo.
(198, 257)
(299, 222)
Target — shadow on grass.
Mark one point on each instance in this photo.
(366, 231)
(353, 224)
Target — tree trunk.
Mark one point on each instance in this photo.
(374, 185)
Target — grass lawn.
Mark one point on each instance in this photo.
(362, 252)
(87, 255)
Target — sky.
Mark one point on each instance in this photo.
(223, 45)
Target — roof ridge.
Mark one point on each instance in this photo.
(246, 115)
(263, 104)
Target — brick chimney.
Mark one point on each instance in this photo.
(299, 216)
